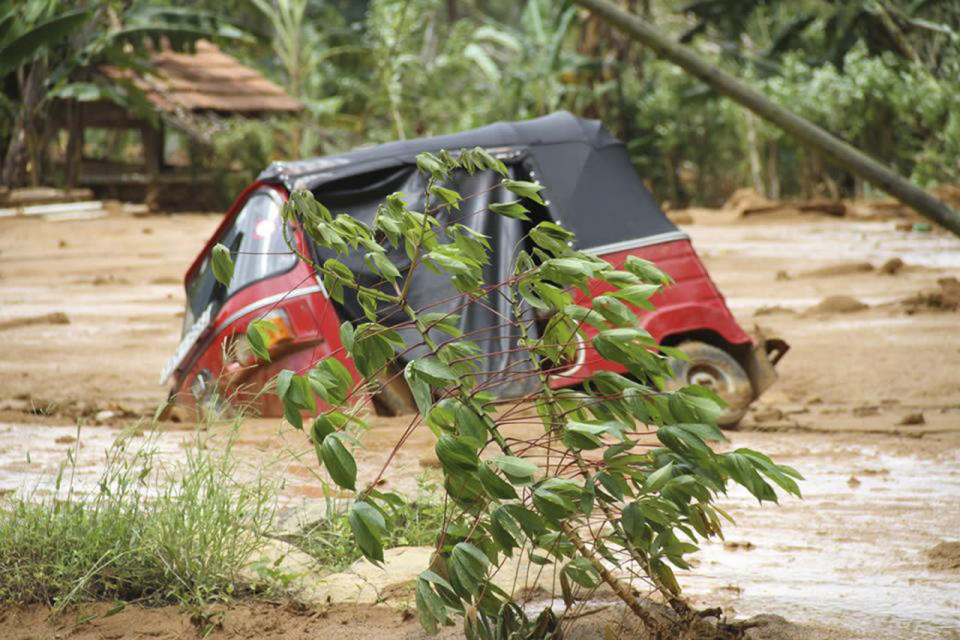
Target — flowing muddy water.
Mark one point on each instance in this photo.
(853, 552)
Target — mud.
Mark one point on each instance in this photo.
(845, 269)
(945, 557)
(837, 304)
(57, 317)
(854, 559)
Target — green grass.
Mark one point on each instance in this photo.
(414, 523)
(153, 533)
(156, 532)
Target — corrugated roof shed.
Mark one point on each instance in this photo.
(209, 80)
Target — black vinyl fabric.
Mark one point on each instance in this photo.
(589, 183)
(485, 322)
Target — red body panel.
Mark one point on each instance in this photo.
(313, 323)
(692, 303)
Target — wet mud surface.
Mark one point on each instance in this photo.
(867, 406)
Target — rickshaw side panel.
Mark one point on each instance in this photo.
(692, 303)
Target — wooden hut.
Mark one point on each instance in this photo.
(189, 92)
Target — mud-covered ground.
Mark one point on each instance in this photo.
(867, 407)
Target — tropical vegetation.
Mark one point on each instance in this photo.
(882, 74)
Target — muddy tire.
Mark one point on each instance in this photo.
(715, 369)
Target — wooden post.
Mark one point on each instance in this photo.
(74, 142)
(153, 162)
(805, 131)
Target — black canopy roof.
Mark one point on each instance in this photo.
(589, 183)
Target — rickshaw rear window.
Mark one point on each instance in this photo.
(258, 249)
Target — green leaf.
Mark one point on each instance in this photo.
(532, 524)
(512, 209)
(646, 271)
(383, 265)
(330, 380)
(339, 462)
(429, 163)
(335, 275)
(638, 295)
(283, 382)
(30, 44)
(430, 607)
(504, 530)
(472, 427)
(322, 427)
(222, 264)
(455, 454)
(551, 237)
(664, 575)
(434, 371)
(347, 335)
(585, 316)
(450, 197)
(441, 321)
(257, 334)
(517, 470)
(582, 571)
(524, 189)
(419, 388)
(494, 486)
(614, 311)
(658, 478)
(482, 158)
(368, 527)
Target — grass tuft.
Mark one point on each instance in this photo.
(152, 533)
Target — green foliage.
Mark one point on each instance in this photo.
(151, 532)
(412, 523)
(50, 53)
(653, 501)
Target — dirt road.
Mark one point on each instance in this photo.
(867, 407)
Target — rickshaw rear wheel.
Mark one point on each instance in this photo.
(715, 369)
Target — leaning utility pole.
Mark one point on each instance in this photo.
(806, 132)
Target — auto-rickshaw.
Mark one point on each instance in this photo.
(590, 188)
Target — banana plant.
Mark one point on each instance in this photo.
(49, 49)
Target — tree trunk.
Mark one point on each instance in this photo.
(773, 170)
(22, 137)
(806, 132)
(756, 169)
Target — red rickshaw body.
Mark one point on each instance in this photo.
(582, 168)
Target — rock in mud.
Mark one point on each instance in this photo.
(744, 545)
(104, 416)
(912, 419)
(768, 415)
(945, 557)
(838, 304)
(947, 299)
(891, 266)
(775, 309)
(844, 269)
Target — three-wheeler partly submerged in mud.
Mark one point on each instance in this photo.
(590, 188)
